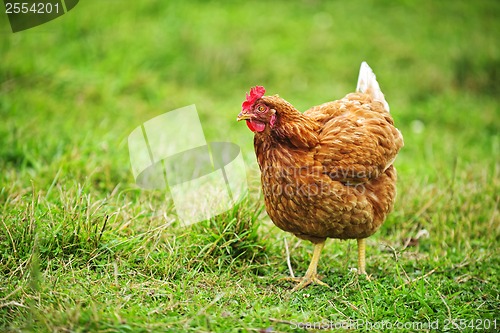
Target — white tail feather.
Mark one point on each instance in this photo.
(367, 83)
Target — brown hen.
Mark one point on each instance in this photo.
(327, 172)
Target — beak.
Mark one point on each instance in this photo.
(244, 116)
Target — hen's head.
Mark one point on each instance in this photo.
(256, 112)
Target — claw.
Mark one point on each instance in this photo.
(303, 282)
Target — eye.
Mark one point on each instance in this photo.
(261, 108)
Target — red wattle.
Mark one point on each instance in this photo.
(256, 126)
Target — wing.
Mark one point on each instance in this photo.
(357, 139)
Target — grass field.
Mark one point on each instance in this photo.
(84, 249)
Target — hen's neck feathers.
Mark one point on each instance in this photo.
(291, 125)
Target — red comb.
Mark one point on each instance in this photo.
(255, 93)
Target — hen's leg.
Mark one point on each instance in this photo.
(361, 256)
(312, 272)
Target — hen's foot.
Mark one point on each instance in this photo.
(367, 277)
(361, 273)
(311, 274)
(303, 282)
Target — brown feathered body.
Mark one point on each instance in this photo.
(327, 172)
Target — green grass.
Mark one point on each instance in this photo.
(83, 249)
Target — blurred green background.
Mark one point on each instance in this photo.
(73, 89)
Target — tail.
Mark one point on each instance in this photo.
(367, 83)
